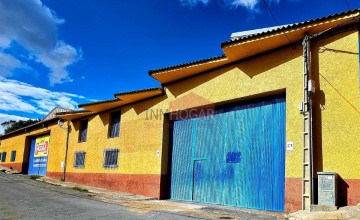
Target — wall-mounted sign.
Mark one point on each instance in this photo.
(41, 146)
(290, 145)
(233, 157)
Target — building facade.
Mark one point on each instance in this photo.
(225, 130)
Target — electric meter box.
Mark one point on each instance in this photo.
(327, 188)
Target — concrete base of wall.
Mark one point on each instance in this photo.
(348, 193)
(293, 194)
(322, 208)
(18, 167)
(143, 184)
(149, 185)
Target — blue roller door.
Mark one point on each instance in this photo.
(235, 157)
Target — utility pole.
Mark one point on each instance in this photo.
(308, 89)
(66, 149)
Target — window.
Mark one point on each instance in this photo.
(114, 127)
(83, 130)
(111, 158)
(79, 160)
(3, 156)
(13, 156)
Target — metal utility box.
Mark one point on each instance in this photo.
(327, 188)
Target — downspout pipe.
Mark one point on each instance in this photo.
(66, 149)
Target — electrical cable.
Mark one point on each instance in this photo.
(276, 21)
(348, 4)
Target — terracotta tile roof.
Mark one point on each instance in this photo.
(151, 72)
(287, 27)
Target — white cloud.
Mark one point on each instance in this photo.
(7, 117)
(8, 64)
(34, 26)
(57, 60)
(23, 97)
(248, 4)
(194, 2)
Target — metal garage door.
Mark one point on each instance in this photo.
(235, 157)
(38, 158)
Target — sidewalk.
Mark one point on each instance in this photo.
(347, 212)
(143, 204)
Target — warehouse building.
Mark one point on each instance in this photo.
(250, 128)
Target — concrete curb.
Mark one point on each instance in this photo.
(347, 212)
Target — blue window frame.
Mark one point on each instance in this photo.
(111, 157)
(13, 156)
(114, 127)
(3, 156)
(83, 130)
(79, 160)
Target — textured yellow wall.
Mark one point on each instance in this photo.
(141, 134)
(337, 104)
(137, 144)
(15, 143)
(279, 71)
(21, 143)
(57, 148)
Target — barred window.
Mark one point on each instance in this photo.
(13, 156)
(111, 158)
(114, 126)
(3, 156)
(83, 130)
(79, 160)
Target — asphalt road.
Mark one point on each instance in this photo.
(23, 198)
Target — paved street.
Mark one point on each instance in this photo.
(23, 198)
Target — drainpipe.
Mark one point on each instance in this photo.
(66, 149)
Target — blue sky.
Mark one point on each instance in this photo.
(63, 53)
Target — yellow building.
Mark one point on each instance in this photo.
(227, 130)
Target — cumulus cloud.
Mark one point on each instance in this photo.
(248, 4)
(22, 97)
(33, 25)
(7, 117)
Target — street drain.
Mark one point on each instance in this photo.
(225, 217)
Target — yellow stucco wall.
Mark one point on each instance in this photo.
(241, 80)
(16, 143)
(278, 72)
(137, 151)
(21, 143)
(57, 147)
(337, 104)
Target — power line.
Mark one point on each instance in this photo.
(348, 4)
(276, 21)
